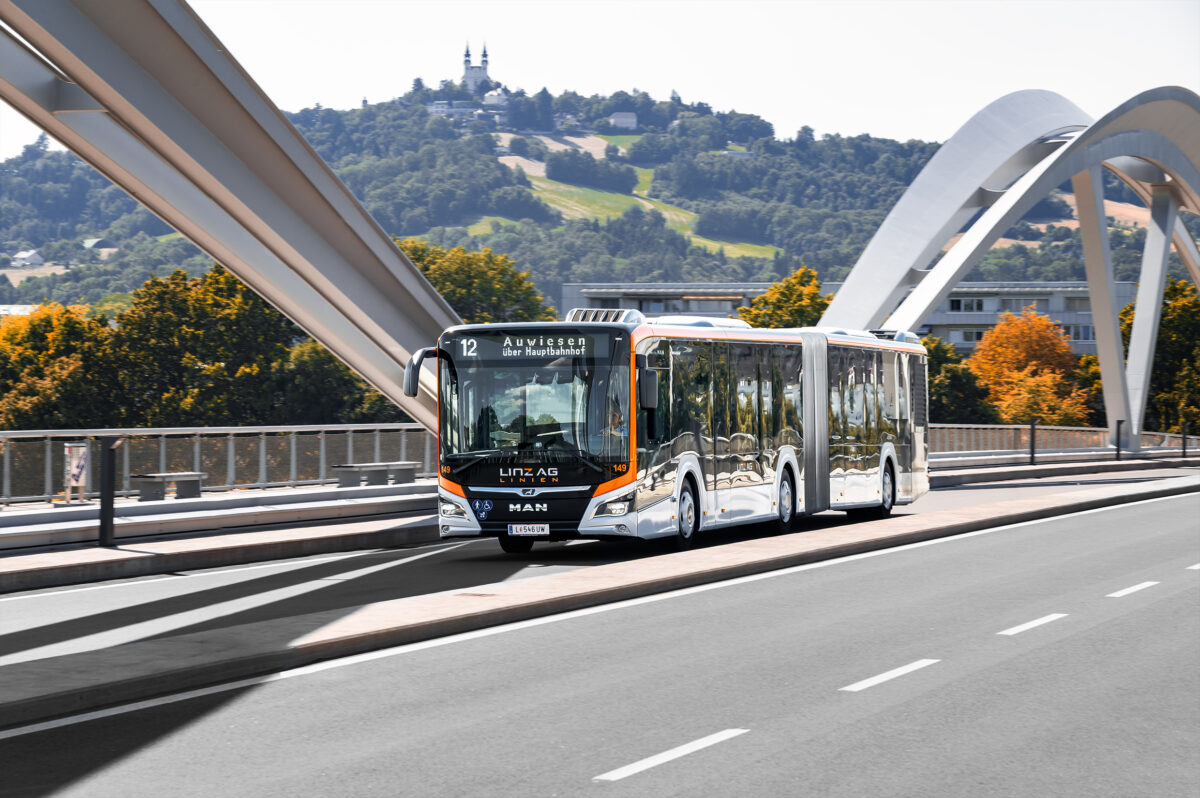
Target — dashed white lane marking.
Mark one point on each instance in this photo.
(1128, 590)
(1016, 630)
(892, 674)
(1195, 567)
(667, 756)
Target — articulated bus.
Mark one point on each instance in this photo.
(611, 425)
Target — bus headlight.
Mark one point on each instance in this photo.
(613, 507)
(451, 509)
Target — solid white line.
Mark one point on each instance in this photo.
(892, 674)
(410, 648)
(667, 756)
(1133, 589)
(292, 563)
(1016, 630)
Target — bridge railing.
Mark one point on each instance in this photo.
(32, 463)
(963, 440)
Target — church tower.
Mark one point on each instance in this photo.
(474, 75)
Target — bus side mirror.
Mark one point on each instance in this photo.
(648, 388)
(412, 372)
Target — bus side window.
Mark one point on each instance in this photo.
(890, 401)
(745, 411)
(836, 381)
(654, 425)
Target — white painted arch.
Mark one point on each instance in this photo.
(1005, 159)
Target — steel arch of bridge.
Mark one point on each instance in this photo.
(993, 170)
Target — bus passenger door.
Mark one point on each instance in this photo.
(743, 493)
(691, 408)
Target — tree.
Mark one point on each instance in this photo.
(1027, 366)
(1172, 394)
(199, 351)
(1047, 395)
(794, 301)
(1016, 343)
(480, 286)
(955, 395)
(54, 370)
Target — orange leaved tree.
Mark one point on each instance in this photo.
(1027, 365)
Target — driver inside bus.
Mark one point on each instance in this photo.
(615, 435)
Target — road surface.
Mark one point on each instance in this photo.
(1059, 657)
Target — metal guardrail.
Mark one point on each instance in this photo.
(967, 439)
(32, 461)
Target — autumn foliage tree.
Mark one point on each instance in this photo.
(1027, 366)
(794, 301)
(481, 286)
(1174, 394)
(53, 370)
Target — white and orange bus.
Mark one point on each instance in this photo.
(611, 425)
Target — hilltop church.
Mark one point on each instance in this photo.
(474, 75)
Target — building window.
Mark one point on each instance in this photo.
(967, 336)
(972, 305)
(1017, 304)
(1079, 304)
(1079, 332)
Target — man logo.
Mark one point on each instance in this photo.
(528, 491)
(528, 508)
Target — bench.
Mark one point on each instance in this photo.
(350, 475)
(153, 487)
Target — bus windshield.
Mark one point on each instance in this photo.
(535, 396)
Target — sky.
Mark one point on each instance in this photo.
(900, 69)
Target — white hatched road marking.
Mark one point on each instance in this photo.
(1128, 590)
(667, 756)
(142, 629)
(1016, 630)
(892, 674)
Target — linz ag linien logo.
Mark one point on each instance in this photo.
(482, 507)
(521, 475)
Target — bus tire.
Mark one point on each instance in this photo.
(512, 545)
(687, 519)
(785, 516)
(888, 492)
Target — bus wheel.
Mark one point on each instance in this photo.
(513, 545)
(687, 520)
(889, 493)
(786, 517)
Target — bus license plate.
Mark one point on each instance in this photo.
(529, 529)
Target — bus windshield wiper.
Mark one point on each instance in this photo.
(471, 458)
(581, 456)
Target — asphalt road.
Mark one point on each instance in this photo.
(58, 621)
(1060, 657)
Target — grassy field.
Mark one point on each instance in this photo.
(576, 202)
(621, 141)
(644, 177)
(484, 225)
